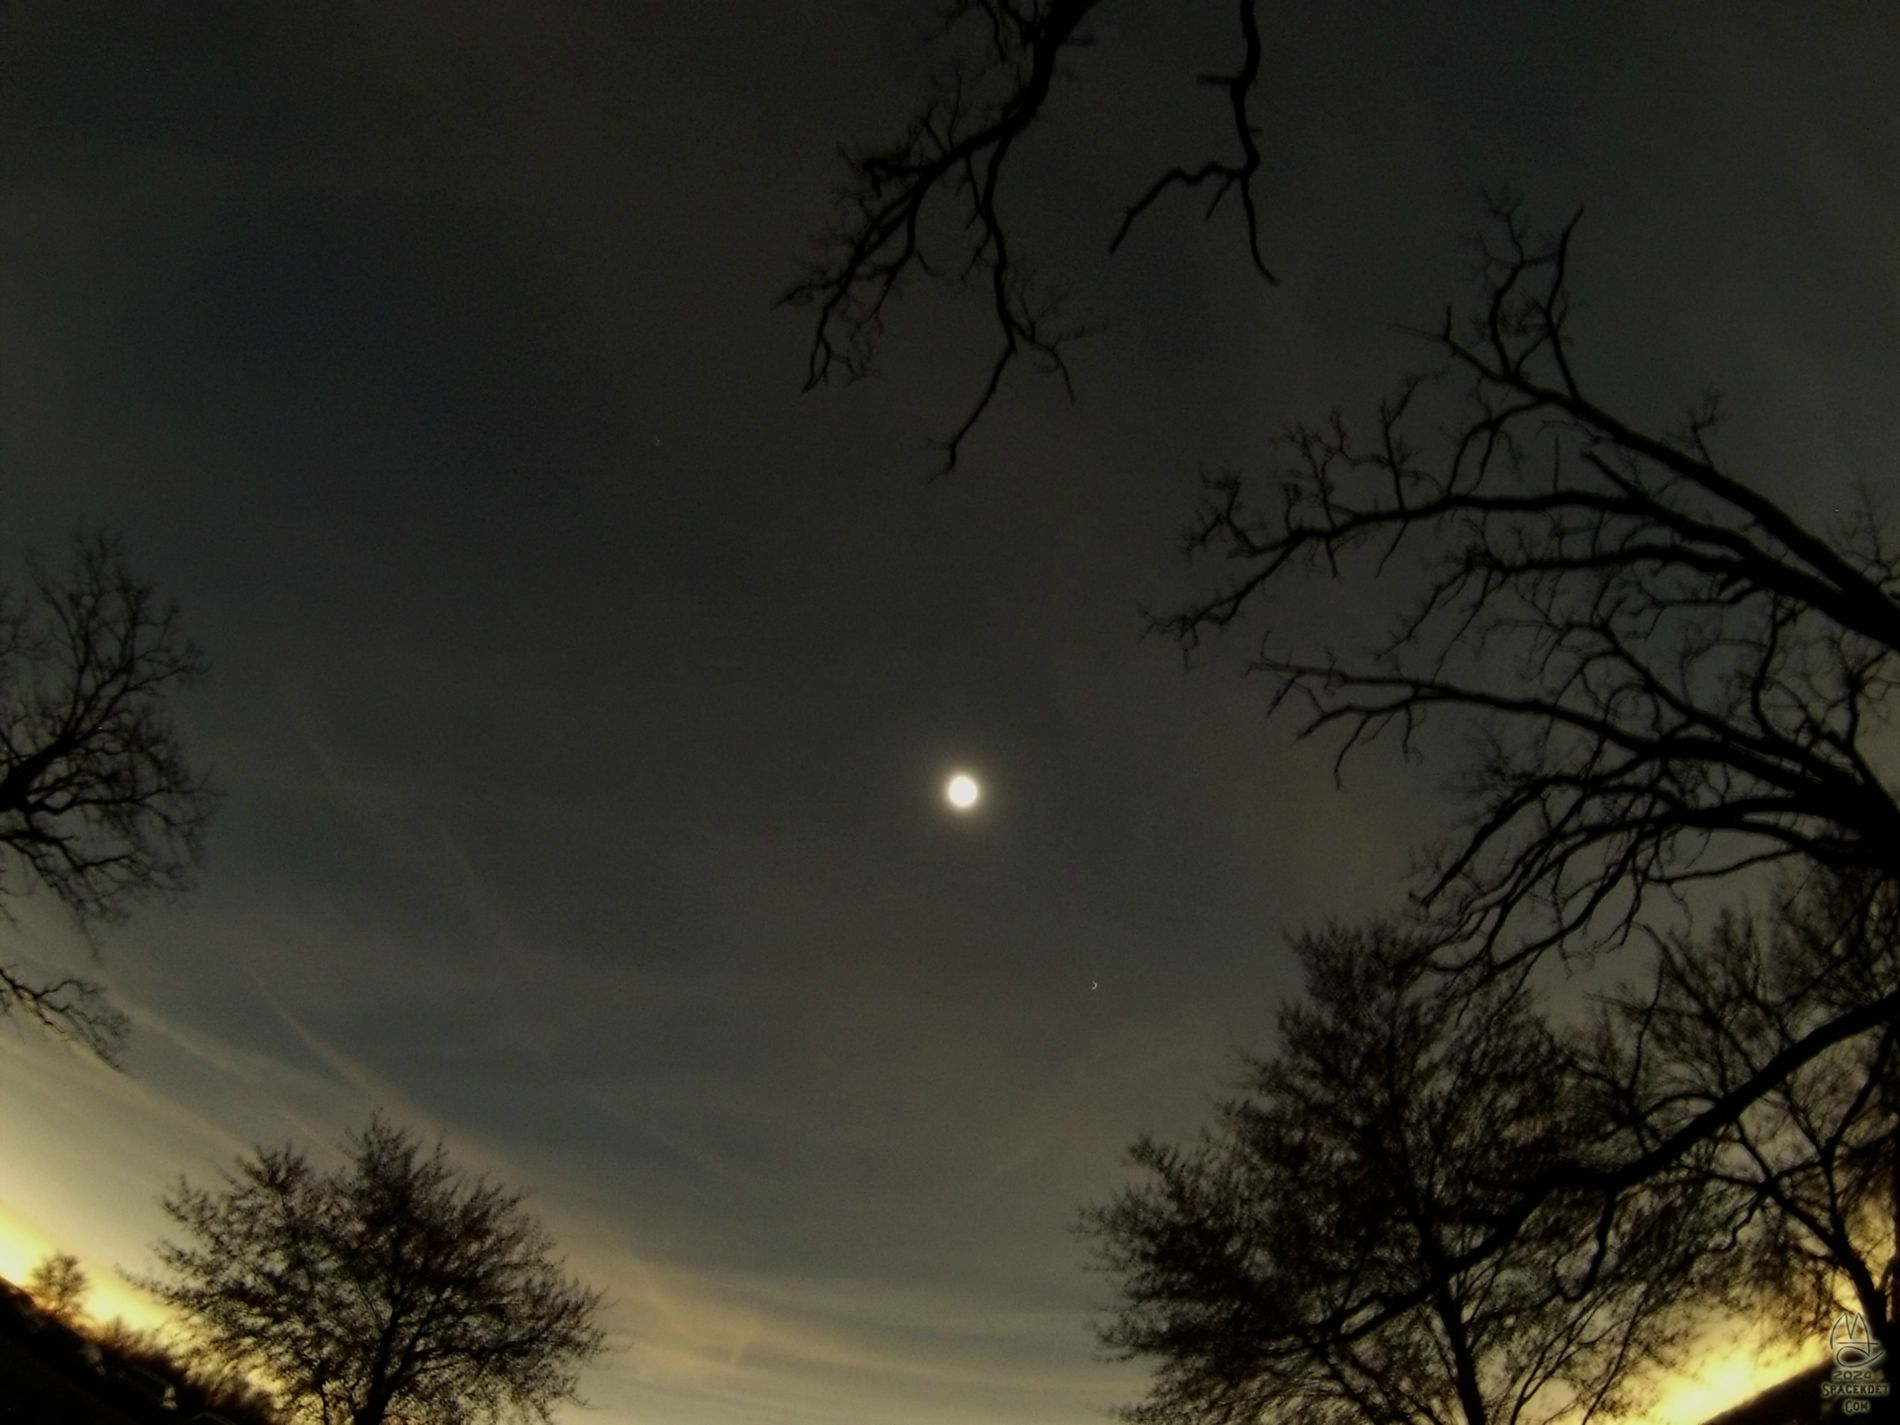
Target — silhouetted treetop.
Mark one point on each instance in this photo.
(1326, 1254)
(60, 1284)
(395, 1288)
(1807, 1176)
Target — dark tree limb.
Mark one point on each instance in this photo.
(71, 1006)
(1742, 1041)
(99, 803)
(1336, 1249)
(1673, 676)
(1673, 679)
(1226, 177)
(957, 150)
(1659, 1148)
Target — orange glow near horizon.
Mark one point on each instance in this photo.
(1732, 1373)
(21, 1248)
(21, 1245)
(1739, 1364)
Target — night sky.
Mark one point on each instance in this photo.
(583, 694)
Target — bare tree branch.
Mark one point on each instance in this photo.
(1644, 1156)
(1328, 1254)
(98, 802)
(1226, 177)
(72, 1007)
(978, 111)
(1673, 677)
(1806, 1170)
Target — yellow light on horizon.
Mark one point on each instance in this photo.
(1734, 1373)
(23, 1246)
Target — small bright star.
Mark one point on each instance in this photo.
(961, 791)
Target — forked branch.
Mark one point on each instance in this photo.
(957, 149)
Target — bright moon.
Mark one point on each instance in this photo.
(962, 791)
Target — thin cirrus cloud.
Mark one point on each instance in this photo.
(745, 1340)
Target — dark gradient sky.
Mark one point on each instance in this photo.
(583, 693)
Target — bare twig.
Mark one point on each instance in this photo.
(1674, 676)
(958, 148)
(98, 802)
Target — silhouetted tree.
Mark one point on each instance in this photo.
(1675, 677)
(60, 1284)
(396, 1288)
(1806, 1178)
(98, 802)
(1398, 1118)
(998, 79)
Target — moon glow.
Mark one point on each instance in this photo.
(962, 791)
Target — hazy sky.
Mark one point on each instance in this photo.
(583, 694)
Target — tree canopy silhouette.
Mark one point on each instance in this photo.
(395, 1288)
(1311, 1259)
(1806, 1179)
(1674, 679)
(1673, 673)
(99, 803)
(60, 1284)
